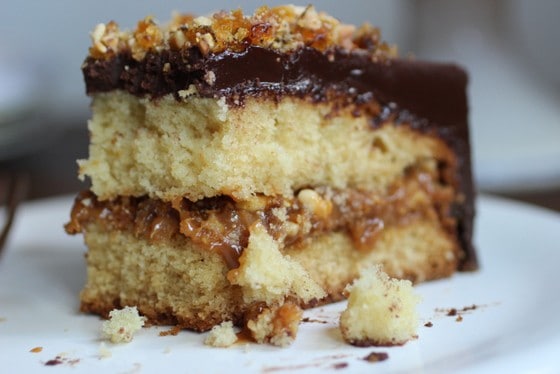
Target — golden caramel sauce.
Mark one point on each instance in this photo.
(220, 224)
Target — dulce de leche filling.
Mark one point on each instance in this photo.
(221, 224)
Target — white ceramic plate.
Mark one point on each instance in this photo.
(514, 328)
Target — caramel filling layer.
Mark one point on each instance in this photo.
(221, 224)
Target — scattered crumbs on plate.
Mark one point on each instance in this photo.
(36, 349)
(60, 360)
(221, 336)
(376, 357)
(3, 319)
(428, 324)
(451, 312)
(173, 331)
(55, 361)
(122, 324)
(167, 350)
(307, 319)
(458, 312)
(104, 352)
(340, 365)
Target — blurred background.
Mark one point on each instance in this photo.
(509, 47)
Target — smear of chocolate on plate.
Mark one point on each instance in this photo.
(54, 361)
(58, 360)
(340, 365)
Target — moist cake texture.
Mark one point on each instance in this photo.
(244, 167)
(381, 311)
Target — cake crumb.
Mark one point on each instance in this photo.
(173, 331)
(222, 335)
(266, 275)
(122, 324)
(104, 352)
(381, 311)
(36, 350)
(275, 325)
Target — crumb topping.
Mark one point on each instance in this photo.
(283, 28)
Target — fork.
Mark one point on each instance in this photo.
(13, 189)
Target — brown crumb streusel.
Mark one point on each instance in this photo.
(283, 28)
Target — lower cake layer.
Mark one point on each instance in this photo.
(196, 264)
(177, 282)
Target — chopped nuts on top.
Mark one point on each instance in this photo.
(283, 28)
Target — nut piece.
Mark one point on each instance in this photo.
(105, 39)
(96, 36)
(147, 36)
(314, 203)
(283, 28)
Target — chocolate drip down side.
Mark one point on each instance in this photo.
(430, 97)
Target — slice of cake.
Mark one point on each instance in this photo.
(239, 164)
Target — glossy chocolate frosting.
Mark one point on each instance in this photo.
(430, 97)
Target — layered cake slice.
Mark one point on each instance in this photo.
(243, 167)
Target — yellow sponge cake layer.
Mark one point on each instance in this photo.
(140, 254)
(201, 147)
